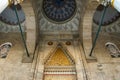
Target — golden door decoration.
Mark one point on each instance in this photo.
(59, 66)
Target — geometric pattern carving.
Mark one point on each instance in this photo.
(59, 10)
(59, 58)
(5, 28)
(59, 66)
(114, 27)
(71, 25)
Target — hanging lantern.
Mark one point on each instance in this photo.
(111, 15)
(8, 15)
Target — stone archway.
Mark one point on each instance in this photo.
(87, 27)
(47, 51)
(32, 29)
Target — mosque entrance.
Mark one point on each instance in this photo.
(59, 66)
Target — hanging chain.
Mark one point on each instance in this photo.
(97, 34)
(15, 2)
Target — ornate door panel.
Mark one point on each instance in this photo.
(59, 66)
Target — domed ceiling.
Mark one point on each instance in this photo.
(111, 21)
(59, 10)
(8, 15)
(59, 15)
(111, 15)
(8, 19)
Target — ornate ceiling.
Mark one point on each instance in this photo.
(8, 15)
(111, 15)
(8, 19)
(59, 10)
(51, 24)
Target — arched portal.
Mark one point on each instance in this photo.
(59, 66)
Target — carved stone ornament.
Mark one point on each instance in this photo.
(114, 50)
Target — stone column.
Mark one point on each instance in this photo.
(87, 34)
(39, 66)
(30, 30)
(40, 72)
(79, 64)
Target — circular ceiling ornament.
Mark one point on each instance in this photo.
(111, 15)
(8, 15)
(59, 10)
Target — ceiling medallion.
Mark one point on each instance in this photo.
(59, 10)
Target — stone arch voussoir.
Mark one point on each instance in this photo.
(87, 26)
(31, 33)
